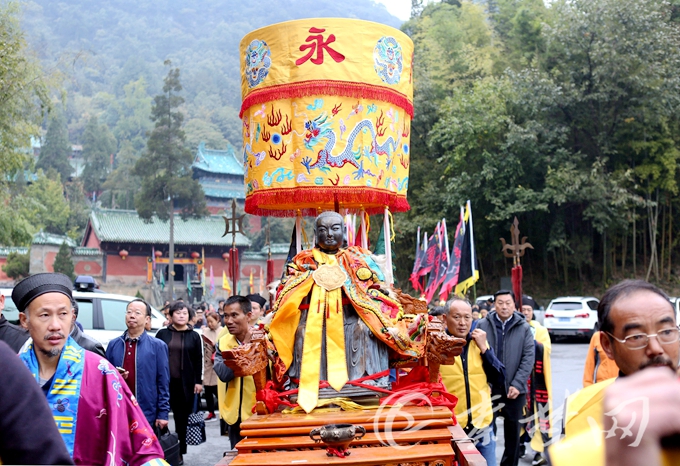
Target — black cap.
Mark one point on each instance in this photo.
(30, 288)
(256, 298)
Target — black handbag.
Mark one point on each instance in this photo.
(196, 426)
(170, 443)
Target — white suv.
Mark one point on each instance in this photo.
(572, 316)
(102, 315)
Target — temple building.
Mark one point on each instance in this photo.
(220, 173)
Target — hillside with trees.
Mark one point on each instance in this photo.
(88, 71)
(565, 116)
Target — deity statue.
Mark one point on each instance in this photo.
(335, 320)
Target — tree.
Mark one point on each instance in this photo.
(98, 148)
(63, 263)
(15, 229)
(165, 169)
(44, 206)
(122, 183)
(23, 93)
(79, 210)
(56, 150)
(17, 265)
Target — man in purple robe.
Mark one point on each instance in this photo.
(96, 415)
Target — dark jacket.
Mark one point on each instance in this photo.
(87, 342)
(191, 364)
(517, 354)
(13, 335)
(152, 373)
(28, 434)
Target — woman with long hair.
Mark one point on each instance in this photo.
(210, 334)
(185, 352)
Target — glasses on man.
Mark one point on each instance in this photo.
(134, 313)
(641, 340)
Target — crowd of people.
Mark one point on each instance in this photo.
(93, 407)
(90, 406)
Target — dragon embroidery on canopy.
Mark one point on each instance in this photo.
(321, 128)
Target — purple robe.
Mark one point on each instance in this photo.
(111, 427)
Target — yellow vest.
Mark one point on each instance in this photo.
(587, 447)
(239, 392)
(453, 378)
(583, 405)
(542, 336)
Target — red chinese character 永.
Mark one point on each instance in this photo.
(316, 43)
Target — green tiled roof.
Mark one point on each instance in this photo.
(79, 251)
(218, 161)
(56, 240)
(125, 226)
(277, 248)
(224, 192)
(4, 252)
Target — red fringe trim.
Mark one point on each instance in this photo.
(309, 201)
(327, 87)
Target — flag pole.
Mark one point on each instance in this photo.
(388, 243)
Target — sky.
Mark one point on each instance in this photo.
(399, 8)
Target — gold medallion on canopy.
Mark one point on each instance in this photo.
(326, 113)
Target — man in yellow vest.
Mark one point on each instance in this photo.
(639, 331)
(470, 376)
(236, 395)
(539, 406)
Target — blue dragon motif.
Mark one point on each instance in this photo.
(258, 61)
(320, 128)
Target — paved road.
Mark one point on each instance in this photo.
(567, 371)
(567, 377)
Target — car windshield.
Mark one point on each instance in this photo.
(566, 306)
(10, 312)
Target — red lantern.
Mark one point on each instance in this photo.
(225, 256)
(195, 255)
(158, 254)
(123, 254)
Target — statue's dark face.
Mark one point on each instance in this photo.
(329, 232)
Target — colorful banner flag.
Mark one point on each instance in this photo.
(203, 269)
(417, 263)
(250, 282)
(440, 265)
(212, 282)
(433, 249)
(452, 272)
(468, 274)
(162, 281)
(225, 282)
(189, 288)
(261, 282)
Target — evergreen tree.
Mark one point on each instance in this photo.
(44, 205)
(98, 146)
(23, 93)
(56, 150)
(79, 211)
(62, 261)
(17, 265)
(165, 169)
